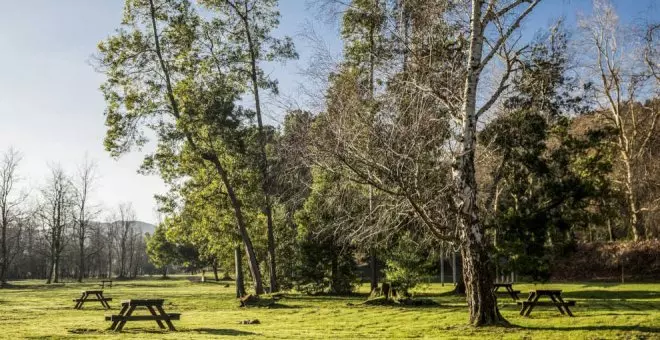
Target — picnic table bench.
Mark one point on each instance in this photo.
(509, 290)
(104, 282)
(155, 307)
(85, 296)
(554, 295)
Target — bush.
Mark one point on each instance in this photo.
(608, 261)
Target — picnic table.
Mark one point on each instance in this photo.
(155, 307)
(104, 282)
(554, 295)
(509, 290)
(85, 296)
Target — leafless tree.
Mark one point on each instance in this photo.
(623, 80)
(10, 214)
(86, 212)
(56, 213)
(124, 224)
(420, 147)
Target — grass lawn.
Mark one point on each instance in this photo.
(31, 309)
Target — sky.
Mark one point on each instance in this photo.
(52, 111)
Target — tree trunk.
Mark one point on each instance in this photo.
(334, 274)
(240, 287)
(272, 269)
(56, 269)
(81, 267)
(442, 269)
(249, 248)
(477, 274)
(50, 270)
(454, 268)
(215, 269)
(4, 264)
(373, 261)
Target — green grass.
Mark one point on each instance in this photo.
(33, 310)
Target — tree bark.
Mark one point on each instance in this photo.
(373, 262)
(215, 269)
(240, 287)
(334, 274)
(81, 265)
(477, 273)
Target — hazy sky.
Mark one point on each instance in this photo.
(51, 109)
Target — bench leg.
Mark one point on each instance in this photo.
(121, 312)
(122, 323)
(524, 308)
(102, 301)
(558, 304)
(167, 320)
(80, 303)
(568, 311)
(153, 312)
(531, 306)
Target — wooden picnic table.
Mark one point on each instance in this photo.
(509, 290)
(155, 307)
(553, 294)
(85, 296)
(104, 282)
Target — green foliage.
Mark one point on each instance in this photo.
(409, 259)
(547, 177)
(161, 251)
(325, 267)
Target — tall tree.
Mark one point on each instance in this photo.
(622, 83)
(249, 44)
(9, 207)
(56, 212)
(124, 222)
(84, 186)
(161, 74)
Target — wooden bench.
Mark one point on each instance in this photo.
(554, 295)
(103, 283)
(155, 307)
(85, 296)
(509, 290)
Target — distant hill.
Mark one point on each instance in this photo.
(144, 227)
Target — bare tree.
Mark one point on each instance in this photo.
(9, 208)
(405, 149)
(56, 212)
(124, 227)
(84, 183)
(622, 82)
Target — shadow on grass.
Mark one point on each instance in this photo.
(281, 306)
(593, 328)
(618, 294)
(222, 332)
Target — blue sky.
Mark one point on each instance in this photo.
(51, 109)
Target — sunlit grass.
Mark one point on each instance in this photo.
(33, 310)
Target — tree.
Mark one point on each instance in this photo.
(250, 43)
(162, 252)
(85, 211)
(124, 222)
(621, 84)
(160, 71)
(56, 212)
(9, 208)
(425, 126)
